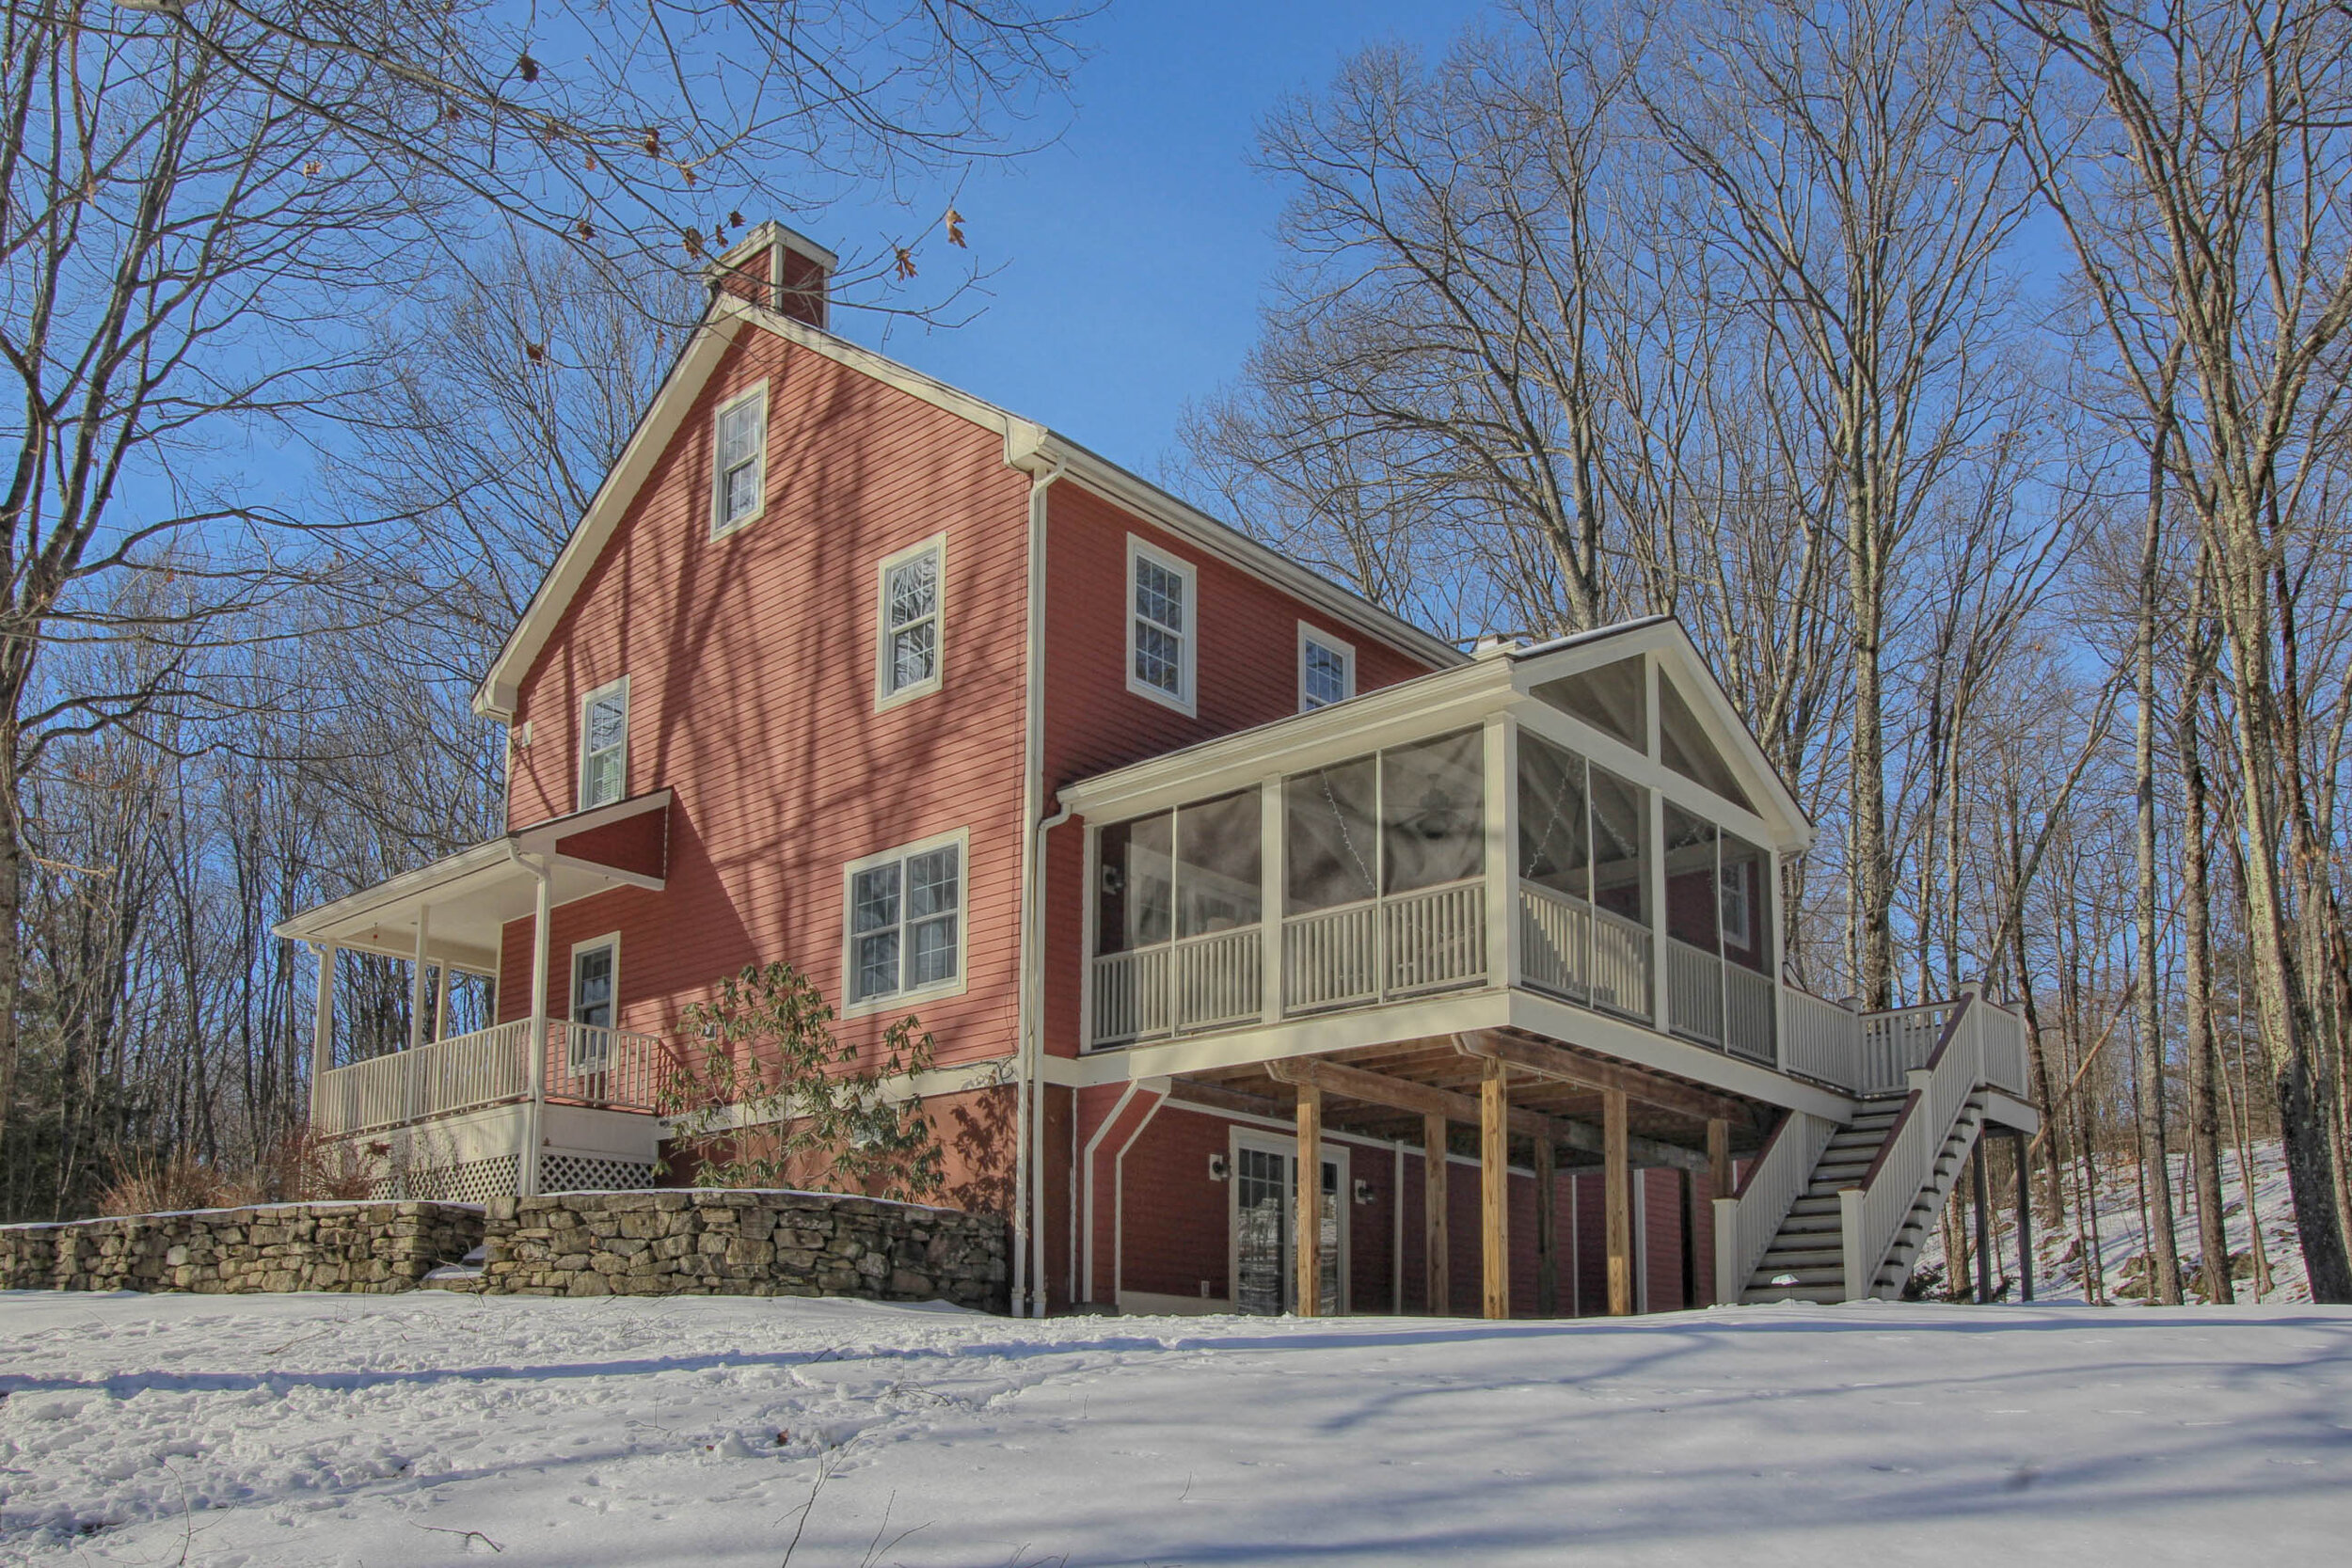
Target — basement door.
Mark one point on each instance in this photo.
(1264, 1218)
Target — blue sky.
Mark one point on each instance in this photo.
(1130, 256)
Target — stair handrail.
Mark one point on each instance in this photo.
(1871, 1213)
(1746, 1222)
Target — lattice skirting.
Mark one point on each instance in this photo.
(472, 1181)
(586, 1173)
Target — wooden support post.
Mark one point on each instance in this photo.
(1617, 1204)
(2025, 1220)
(1547, 1230)
(1984, 1207)
(321, 1030)
(1307, 1239)
(1718, 1179)
(1433, 1201)
(1494, 1190)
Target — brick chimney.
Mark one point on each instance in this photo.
(780, 268)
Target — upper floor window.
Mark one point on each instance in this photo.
(604, 745)
(1161, 591)
(740, 487)
(906, 922)
(1327, 670)
(908, 654)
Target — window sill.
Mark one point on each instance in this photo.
(1166, 699)
(899, 1000)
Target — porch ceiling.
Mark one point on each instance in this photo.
(1662, 1109)
(467, 899)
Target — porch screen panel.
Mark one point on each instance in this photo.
(1744, 914)
(1136, 901)
(1621, 850)
(1683, 746)
(1555, 836)
(1614, 699)
(1692, 915)
(1331, 836)
(1219, 861)
(1433, 798)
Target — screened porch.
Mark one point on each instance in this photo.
(1584, 835)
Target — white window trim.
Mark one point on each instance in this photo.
(883, 697)
(579, 781)
(1341, 646)
(1187, 700)
(574, 1059)
(961, 839)
(720, 527)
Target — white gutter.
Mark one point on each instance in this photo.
(1028, 1208)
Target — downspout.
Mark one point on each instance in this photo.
(1021, 452)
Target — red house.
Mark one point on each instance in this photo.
(1197, 868)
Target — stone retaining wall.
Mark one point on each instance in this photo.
(277, 1246)
(724, 1241)
(665, 1242)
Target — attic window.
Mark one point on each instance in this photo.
(1683, 746)
(1614, 699)
(604, 745)
(739, 440)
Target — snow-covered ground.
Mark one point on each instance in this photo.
(2122, 1235)
(423, 1429)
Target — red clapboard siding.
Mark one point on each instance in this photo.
(751, 666)
(1247, 673)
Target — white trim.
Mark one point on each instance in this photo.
(721, 526)
(1187, 697)
(580, 778)
(852, 1007)
(1310, 633)
(572, 1057)
(884, 697)
(1239, 1136)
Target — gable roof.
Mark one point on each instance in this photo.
(1432, 704)
(1029, 447)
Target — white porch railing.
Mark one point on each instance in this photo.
(1824, 1041)
(1199, 983)
(586, 1066)
(1745, 1225)
(2007, 1063)
(1623, 954)
(1895, 1042)
(1874, 1212)
(464, 1073)
(1748, 1005)
(1432, 938)
(1555, 941)
(1695, 991)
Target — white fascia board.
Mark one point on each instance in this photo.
(502, 687)
(1415, 709)
(314, 923)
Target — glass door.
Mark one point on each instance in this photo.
(1266, 1218)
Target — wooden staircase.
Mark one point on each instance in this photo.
(1806, 1259)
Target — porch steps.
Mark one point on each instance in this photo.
(1806, 1260)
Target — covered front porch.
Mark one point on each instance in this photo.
(532, 1102)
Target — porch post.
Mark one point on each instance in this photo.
(1503, 837)
(1494, 1188)
(1617, 1186)
(1547, 1230)
(1719, 1159)
(1984, 1253)
(1270, 894)
(1306, 1237)
(416, 979)
(1653, 895)
(536, 1070)
(2025, 1220)
(440, 1006)
(322, 1028)
(1433, 1205)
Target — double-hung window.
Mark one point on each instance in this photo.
(1161, 636)
(596, 977)
(739, 477)
(906, 923)
(604, 745)
(1327, 670)
(907, 654)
